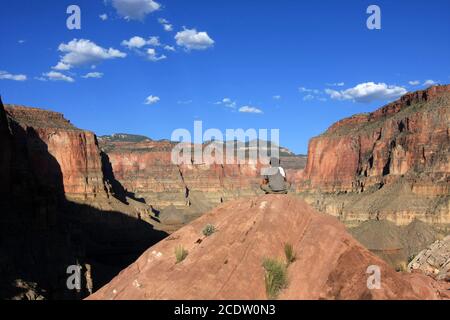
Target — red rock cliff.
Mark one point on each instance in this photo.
(75, 150)
(405, 143)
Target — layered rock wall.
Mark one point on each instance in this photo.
(401, 150)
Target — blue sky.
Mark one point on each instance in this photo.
(301, 64)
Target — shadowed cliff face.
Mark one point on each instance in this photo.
(42, 232)
(393, 163)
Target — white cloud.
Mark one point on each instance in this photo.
(153, 56)
(95, 75)
(166, 24)
(56, 76)
(61, 66)
(135, 9)
(306, 90)
(137, 42)
(193, 40)
(21, 41)
(4, 75)
(152, 100)
(81, 52)
(227, 102)
(368, 92)
(308, 97)
(429, 83)
(414, 82)
(249, 109)
(134, 42)
(277, 97)
(153, 41)
(103, 16)
(169, 48)
(337, 84)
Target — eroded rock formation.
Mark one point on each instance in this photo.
(57, 209)
(434, 260)
(393, 163)
(329, 263)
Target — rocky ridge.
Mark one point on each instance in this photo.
(228, 264)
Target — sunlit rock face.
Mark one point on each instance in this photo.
(392, 163)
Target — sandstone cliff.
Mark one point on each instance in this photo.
(58, 209)
(228, 264)
(393, 163)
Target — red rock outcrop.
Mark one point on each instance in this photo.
(402, 149)
(329, 263)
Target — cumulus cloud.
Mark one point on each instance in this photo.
(56, 76)
(135, 9)
(190, 39)
(137, 42)
(61, 66)
(414, 82)
(429, 83)
(95, 75)
(308, 97)
(103, 16)
(368, 92)
(153, 56)
(4, 75)
(134, 42)
(152, 100)
(81, 52)
(249, 109)
(166, 24)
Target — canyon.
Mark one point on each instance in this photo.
(100, 202)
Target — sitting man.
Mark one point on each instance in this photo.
(275, 181)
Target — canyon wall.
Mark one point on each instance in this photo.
(393, 163)
(75, 151)
(144, 167)
(58, 209)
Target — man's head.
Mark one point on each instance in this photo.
(274, 162)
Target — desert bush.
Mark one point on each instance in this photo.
(208, 230)
(180, 253)
(289, 253)
(275, 277)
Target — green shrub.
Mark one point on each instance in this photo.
(275, 277)
(289, 253)
(180, 253)
(208, 230)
